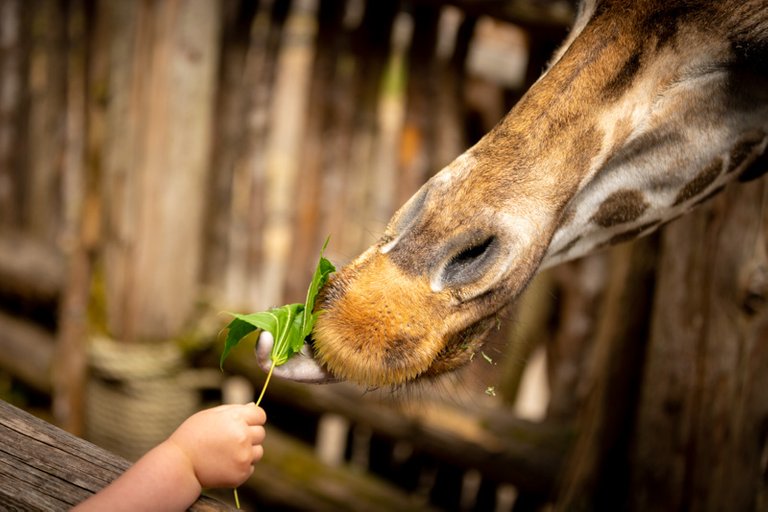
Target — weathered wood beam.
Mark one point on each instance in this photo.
(43, 468)
(529, 455)
(30, 268)
(701, 436)
(26, 351)
(291, 476)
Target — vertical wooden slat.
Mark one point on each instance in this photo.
(69, 367)
(47, 91)
(372, 46)
(581, 287)
(228, 139)
(243, 211)
(317, 151)
(422, 116)
(597, 474)
(527, 331)
(338, 131)
(164, 58)
(390, 116)
(449, 135)
(11, 101)
(702, 433)
(287, 128)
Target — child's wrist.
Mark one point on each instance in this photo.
(181, 460)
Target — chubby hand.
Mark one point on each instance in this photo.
(222, 443)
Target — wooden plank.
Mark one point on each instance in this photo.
(580, 287)
(12, 104)
(291, 475)
(308, 237)
(371, 48)
(701, 439)
(228, 136)
(43, 468)
(47, 118)
(287, 129)
(529, 455)
(30, 268)
(338, 134)
(69, 366)
(26, 351)
(597, 474)
(236, 182)
(163, 67)
(384, 166)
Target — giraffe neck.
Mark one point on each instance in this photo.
(641, 116)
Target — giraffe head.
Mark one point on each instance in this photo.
(648, 108)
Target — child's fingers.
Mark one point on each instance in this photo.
(258, 453)
(258, 434)
(253, 414)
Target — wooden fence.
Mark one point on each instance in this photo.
(164, 161)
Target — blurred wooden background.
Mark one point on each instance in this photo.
(163, 161)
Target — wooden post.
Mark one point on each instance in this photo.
(47, 88)
(338, 176)
(79, 235)
(581, 287)
(163, 63)
(317, 151)
(597, 474)
(702, 430)
(239, 168)
(283, 151)
(11, 106)
(230, 133)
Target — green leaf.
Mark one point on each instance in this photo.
(289, 325)
(319, 278)
(288, 330)
(236, 330)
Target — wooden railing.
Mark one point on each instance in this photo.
(43, 468)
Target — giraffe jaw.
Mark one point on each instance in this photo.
(458, 351)
(396, 330)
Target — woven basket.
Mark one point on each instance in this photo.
(139, 393)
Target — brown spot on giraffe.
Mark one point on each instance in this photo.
(620, 207)
(567, 247)
(745, 150)
(700, 182)
(624, 78)
(631, 234)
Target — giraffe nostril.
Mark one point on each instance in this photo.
(470, 263)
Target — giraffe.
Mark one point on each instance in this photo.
(648, 108)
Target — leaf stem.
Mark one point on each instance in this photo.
(266, 383)
(261, 395)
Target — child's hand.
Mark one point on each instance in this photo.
(222, 443)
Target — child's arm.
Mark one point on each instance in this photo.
(213, 448)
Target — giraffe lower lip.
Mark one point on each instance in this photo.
(461, 347)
